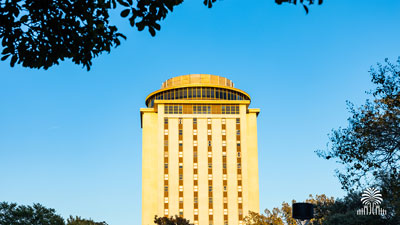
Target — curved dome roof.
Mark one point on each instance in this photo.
(212, 84)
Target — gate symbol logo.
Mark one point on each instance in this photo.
(371, 199)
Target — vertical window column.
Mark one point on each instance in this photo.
(166, 167)
(180, 155)
(224, 173)
(210, 178)
(239, 171)
(195, 174)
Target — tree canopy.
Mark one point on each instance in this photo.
(40, 34)
(327, 211)
(77, 220)
(283, 215)
(13, 214)
(171, 221)
(369, 148)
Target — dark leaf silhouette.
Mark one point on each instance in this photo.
(40, 34)
(125, 12)
(370, 145)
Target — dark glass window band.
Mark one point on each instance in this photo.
(197, 93)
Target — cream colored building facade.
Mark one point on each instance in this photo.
(199, 152)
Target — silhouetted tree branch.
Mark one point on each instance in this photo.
(369, 147)
(40, 34)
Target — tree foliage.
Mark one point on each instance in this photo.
(271, 218)
(40, 34)
(79, 221)
(302, 2)
(369, 148)
(327, 211)
(283, 215)
(12, 214)
(171, 221)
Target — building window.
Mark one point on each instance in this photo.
(210, 200)
(194, 120)
(180, 132)
(230, 109)
(173, 109)
(180, 144)
(210, 188)
(210, 165)
(166, 188)
(165, 120)
(237, 121)
(166, 165)
(209, 143)
(180, 119)
(237, 132)
(196, 93)
(189, 92)
(205, 109)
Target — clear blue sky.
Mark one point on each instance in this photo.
(71, 139)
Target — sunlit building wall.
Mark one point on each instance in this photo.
(199, 152)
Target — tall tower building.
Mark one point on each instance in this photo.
(199, 152)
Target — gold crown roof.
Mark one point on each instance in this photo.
(193, 79)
